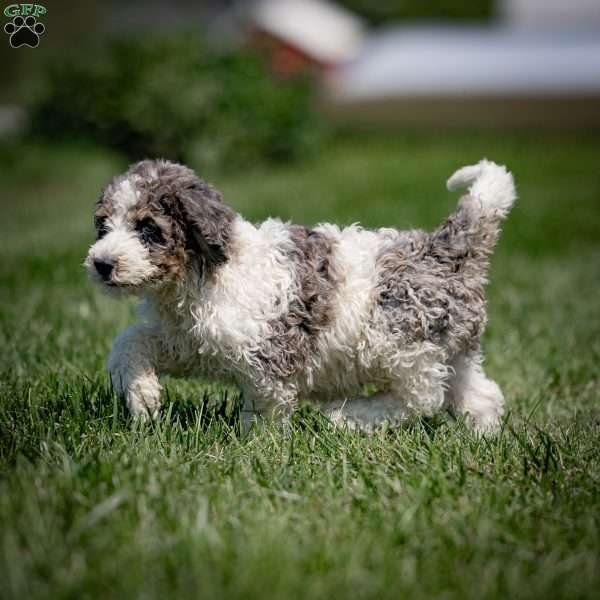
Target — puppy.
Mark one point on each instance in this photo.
(287, 312)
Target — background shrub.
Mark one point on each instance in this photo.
(170, 96)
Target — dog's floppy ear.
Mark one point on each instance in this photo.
(208, 221)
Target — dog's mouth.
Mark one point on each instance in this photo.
(124, 287)
(117, 289)
(121, 285)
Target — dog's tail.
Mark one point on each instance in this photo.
(472, 231)
(492, 185)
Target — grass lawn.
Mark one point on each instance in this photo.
(92, 504)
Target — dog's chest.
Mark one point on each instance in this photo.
(226, 321)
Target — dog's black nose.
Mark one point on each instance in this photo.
(104, 267)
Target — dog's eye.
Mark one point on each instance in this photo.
(100, 224)
(149, 231)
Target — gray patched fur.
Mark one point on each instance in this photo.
(293, 336)
(430, 286)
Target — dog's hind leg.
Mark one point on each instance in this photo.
(472, 395)
(366, 414)
(416, 381)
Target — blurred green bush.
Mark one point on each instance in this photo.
(170, 96)
(395, 10)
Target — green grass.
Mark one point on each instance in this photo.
(92, 504)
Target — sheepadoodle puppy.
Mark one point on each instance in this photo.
(293, 313)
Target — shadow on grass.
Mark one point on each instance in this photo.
(203, 413)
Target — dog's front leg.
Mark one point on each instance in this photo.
(132, 364)
(272, 402)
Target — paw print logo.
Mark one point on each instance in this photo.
(24, 32)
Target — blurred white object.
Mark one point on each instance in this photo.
(530, 71)
(462, 60)
(324, 32)
(549, 13)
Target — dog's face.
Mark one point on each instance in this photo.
(152, 223)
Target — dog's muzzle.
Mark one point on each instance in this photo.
(105, 268)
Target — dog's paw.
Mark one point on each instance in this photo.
(488, 424)
(143, 397)
(142, 408)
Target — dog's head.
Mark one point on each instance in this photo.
(153, 223)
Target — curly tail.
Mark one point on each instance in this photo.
(472, 231)
(492, 185)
